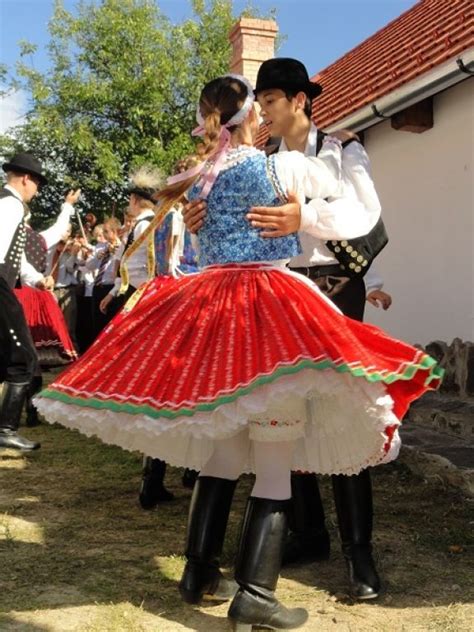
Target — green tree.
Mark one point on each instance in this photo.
(121, 91)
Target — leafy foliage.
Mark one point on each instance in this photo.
(121, 91)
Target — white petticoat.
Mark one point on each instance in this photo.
(338, 423)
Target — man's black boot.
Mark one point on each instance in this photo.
(308, 540)
(207, 523)
(257, 569)
(189, 478)
(353, 497)
(153, 490)
(35, 386)
(14, 396)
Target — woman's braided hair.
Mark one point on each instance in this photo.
(220, 99)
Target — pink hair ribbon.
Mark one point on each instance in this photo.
(213, 167)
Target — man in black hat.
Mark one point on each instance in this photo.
(285, 94)
(18, 358)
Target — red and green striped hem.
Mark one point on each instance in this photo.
(426, 364)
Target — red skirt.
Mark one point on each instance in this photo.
(237, 346)
(48, 328)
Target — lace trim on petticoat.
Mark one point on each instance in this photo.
(343, 428)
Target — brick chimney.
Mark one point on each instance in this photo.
(253, 41)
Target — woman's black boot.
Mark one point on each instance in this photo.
(258, 567)
(207, 523)
(153, 490)
(353, 497)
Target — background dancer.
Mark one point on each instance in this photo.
(145, 182)
(174, 257)
(18, 359)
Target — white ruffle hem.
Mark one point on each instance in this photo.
(338, 423)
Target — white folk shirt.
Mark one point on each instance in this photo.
(11, 214)
(53, 234)
(352, 213)
(93, 264)
(137, 263)
(66, 267)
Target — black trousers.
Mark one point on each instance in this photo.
(100, 320)
(351, 299)
(18, 358)
(84, 324)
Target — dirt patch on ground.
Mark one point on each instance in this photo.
(78, 554)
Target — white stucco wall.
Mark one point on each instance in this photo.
(425, 183)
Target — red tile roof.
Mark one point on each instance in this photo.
(425, 36)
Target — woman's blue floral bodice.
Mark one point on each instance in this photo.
(227, 235)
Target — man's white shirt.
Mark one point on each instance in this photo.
(352, 213)
(11, 214)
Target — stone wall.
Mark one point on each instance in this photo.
(451, 409)
(457, 359)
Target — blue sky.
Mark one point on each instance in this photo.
(317, 31)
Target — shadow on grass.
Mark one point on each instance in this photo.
(9, 624)
(422, 544)
(96, 546)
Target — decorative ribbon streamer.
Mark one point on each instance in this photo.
(213, 164)
(147, 234)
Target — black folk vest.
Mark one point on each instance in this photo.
(10, 268)
(355, 256)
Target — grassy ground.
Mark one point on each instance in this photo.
(77, 553)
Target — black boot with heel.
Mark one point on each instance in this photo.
(353, 497)
(13, 400)
(153, 490)
(207, 523)
(258, 567)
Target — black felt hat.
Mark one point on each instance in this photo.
(146, 193)
(285, 73)
(25, 163)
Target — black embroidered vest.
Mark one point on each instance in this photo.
(355, 256)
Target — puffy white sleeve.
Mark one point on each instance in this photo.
(373, 280)
(28, 274)
(53, 234)
(354, 211)
(11, 216)
(307, 176)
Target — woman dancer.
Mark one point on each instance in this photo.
(244, 366)
(174, 257)
(141, 266)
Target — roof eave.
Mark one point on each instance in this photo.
(435, 80)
